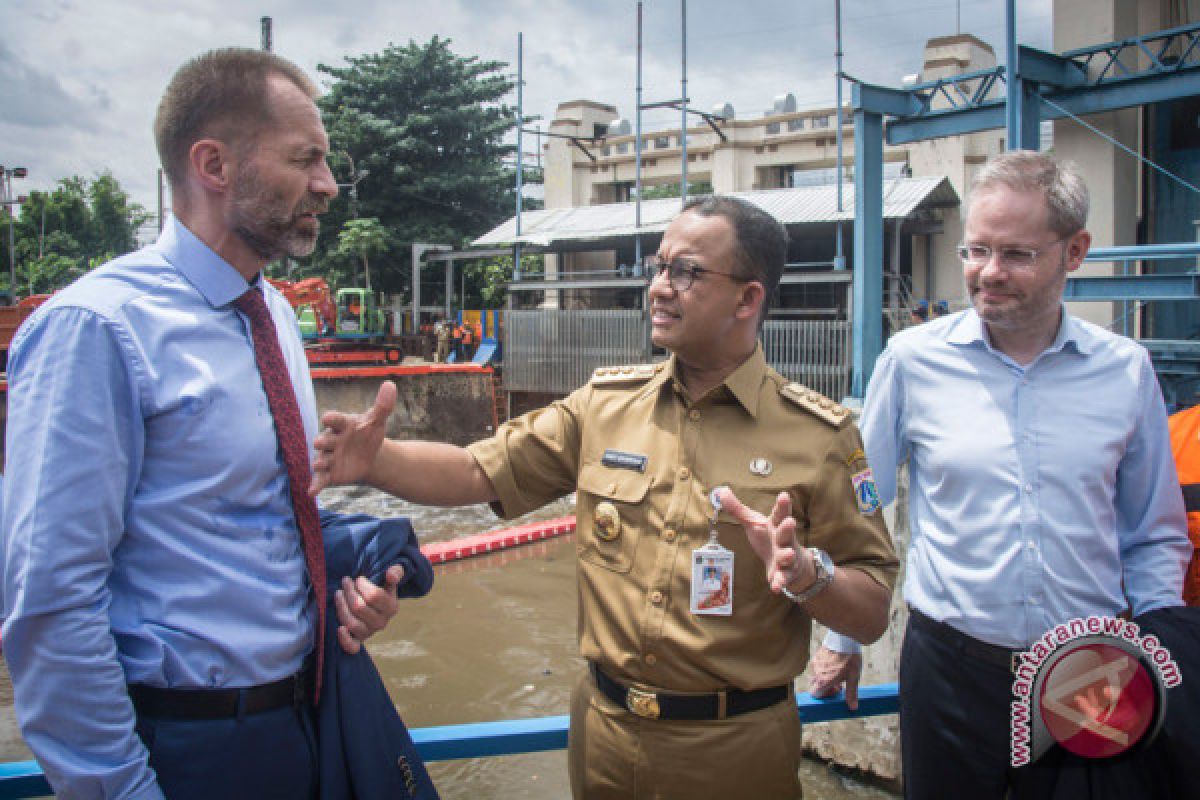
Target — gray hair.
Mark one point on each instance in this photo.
(1028, 171)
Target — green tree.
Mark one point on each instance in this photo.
(362, 238)
(426, 126)
(65, 232)
(487, 279)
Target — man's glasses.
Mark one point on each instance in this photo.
(1009, 257)
(681, 273)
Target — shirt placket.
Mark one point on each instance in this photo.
(673, 536)
(1030, 558)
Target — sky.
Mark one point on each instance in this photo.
(80, 79)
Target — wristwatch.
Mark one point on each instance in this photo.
(824, 567)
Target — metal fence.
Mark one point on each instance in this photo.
(556, 351)
(815, 353)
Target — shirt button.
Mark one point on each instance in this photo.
(669, 534)
(1032, 547)
(1029, 488)
(656, 597)
(1033, 601)
(694, 415)
(684, 473)
(612, 488)
(651, 659)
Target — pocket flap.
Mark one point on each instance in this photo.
(622, 485)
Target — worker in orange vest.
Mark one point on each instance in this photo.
(1185, 446)
(467, 340)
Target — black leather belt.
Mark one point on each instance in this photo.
(662, 705)
(992, 654)
(200, 704)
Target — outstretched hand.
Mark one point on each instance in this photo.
(348, 443)
(773, 539)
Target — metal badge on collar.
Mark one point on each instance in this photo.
(761, 467)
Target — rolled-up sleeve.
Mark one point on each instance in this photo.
(74, 445)
(534, 459)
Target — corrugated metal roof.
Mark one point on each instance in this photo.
(802, 206)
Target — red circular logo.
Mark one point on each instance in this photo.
(1098, 700)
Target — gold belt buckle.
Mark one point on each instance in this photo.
(642, 703)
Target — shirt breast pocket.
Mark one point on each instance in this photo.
(610, 515)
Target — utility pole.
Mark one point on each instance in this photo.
(8, 201)
(265, 24)
(839, 257)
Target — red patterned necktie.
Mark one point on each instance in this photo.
(281, 397)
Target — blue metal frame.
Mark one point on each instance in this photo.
(1102, 77)
(22, 779)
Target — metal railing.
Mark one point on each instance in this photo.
(23, 779)
(555, 351)
(815, 353)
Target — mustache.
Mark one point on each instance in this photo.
(316, 204)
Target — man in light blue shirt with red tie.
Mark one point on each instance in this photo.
(159, 610)
(1041, 482)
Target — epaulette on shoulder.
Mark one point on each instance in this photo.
(815, 403)
(633, 373)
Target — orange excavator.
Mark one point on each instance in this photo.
(313, 303)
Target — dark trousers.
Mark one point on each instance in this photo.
(253, 757)
(954, 729)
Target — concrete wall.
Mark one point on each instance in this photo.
(1113, 177)
(444, 407)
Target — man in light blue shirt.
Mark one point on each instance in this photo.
(1041, 482)
(158, 612)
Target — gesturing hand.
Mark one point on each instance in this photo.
(773, 539)
(348, 443)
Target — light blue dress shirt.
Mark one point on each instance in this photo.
(148, 528)
(1033, 491)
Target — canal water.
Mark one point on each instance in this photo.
(495, 639)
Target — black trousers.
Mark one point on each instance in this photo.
(954, 729)
(252, 757)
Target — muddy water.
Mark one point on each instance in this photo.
(495, 639)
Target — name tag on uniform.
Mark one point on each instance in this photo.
(622, 460)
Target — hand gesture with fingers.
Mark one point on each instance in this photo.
(348, 443)
(773, 539)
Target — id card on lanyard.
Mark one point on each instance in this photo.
(712, 573)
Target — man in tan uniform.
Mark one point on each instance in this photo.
(678, 701)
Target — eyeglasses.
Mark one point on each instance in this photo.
(1009, 257)
(681, 273)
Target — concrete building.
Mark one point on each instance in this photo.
(785, 148)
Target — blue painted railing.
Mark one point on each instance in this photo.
(23, 779)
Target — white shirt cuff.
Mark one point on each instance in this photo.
(841, 644)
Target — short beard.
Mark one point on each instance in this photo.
(262, 221)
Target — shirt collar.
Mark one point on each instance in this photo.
(968, 329)
(214, 277)
(744, 383)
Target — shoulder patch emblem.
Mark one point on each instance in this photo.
(635, 373)
(816, 403)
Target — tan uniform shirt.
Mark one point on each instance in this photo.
(755, 434)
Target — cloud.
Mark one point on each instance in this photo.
(34, 98)
(79, 81)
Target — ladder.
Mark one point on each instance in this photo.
(499, 401)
